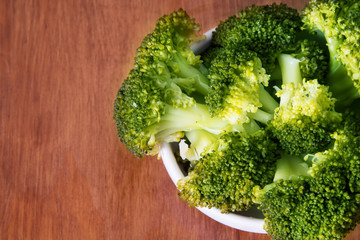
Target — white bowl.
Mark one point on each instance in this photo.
(250, 221)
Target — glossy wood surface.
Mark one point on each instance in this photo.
(63, 172)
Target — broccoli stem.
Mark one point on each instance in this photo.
(261, 116)
(290, 167)
(251, 127)
(340, 84)
(200, 140)
(188, 71)
(269, 104)
(290, 69)
(333, 45)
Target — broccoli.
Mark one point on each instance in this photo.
(306, 116)
(338, 22)
(322, 202)
(267, 116)
(236, 80)
(147, 113)
(313, 58)
(238, 96)
(210, 54)
(267, 30)
(302, 118)
(163, 97)
(224, 176)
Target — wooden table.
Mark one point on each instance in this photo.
(63, 172)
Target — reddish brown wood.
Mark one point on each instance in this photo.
(63, 172)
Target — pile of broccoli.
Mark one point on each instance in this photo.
(267, 116)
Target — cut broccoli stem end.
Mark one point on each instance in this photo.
(261, 116)
(290, 69)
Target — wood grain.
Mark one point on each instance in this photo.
(63, 172)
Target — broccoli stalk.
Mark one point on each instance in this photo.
(338, 79)
(186, 71)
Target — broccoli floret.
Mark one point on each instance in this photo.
(338, 21)
(146, 114)
(237, 82)
(210, 54)
(305, 119)
(225, 176)
(322, 203)
(306, 116)
(348, 145)
(165, 53)
(239, 74)
(349, 52)
(268, 30)
(163, 95)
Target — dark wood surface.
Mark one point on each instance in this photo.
(63, 172)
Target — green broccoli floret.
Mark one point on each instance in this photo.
(225, 176)
(210, 54)
(313, 59)
(240, 86)
(350, 28)
(163, 96)
(267, 30)
(306, 116)
(237, 81)
(147, 113)
(165, 54)
(338, 21)
(322, 203)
